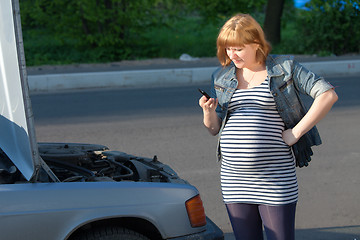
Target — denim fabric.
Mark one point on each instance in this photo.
(288, 79)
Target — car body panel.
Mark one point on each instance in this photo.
(71, 205)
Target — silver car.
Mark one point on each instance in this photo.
(80, 191)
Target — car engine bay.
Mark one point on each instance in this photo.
(77, 162)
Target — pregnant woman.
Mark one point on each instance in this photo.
(264, 130)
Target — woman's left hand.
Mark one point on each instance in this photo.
(289, 137)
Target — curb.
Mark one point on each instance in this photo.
(161, 77)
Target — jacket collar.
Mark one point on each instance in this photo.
(229, 71)
(273, 68)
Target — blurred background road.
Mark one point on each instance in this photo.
(167, 122)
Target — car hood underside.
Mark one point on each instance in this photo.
(14, 141)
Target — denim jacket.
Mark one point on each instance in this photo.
(288, 79)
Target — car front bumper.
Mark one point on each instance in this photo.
(212, 232)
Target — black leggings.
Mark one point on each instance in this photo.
(247, 221)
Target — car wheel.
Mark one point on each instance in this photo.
(111, 233)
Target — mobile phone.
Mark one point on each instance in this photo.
(204, 93)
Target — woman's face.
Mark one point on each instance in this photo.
(244, 56)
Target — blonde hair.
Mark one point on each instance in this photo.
(239, 30)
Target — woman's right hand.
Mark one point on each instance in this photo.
(211, 120)
(208, 105)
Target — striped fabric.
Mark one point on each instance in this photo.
(257, 166)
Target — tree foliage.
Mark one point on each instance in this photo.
(215, 10)
(331, 26)
(110, 30)
(112, 26)
(67, 31)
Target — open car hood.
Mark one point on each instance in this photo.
(14, 141)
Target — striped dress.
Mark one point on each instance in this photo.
(257, 165)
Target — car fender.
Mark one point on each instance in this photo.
(71, 205)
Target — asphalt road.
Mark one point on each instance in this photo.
(167, 122)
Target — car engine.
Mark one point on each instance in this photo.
(77, 162)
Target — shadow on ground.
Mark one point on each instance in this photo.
(333, 233)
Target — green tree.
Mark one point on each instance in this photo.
(111, 26)
(220, 10)
(331, 26)
(272, 23)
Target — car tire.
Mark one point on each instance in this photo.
(112, 233)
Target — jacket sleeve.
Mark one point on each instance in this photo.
(219, 109)
(308, 82)
(313, 85)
